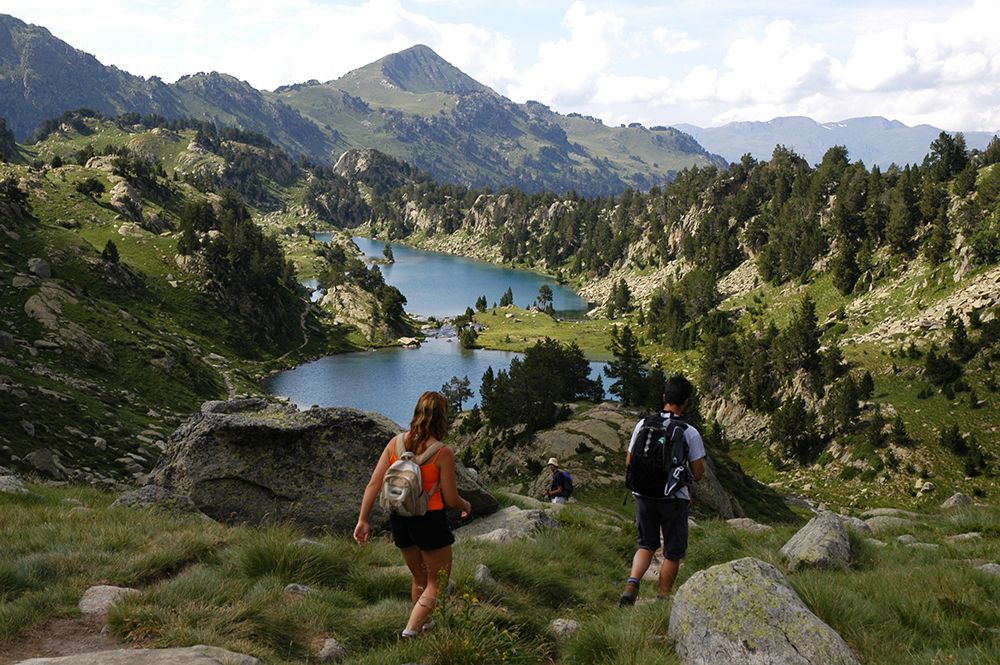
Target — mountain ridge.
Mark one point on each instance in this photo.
(874, 140)
(413, 105)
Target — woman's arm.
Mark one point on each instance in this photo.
(449, 484)
(362, 530)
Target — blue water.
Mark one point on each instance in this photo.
(438, 284)
(389, 381)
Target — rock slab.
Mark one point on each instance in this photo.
(745, 611)
(196, 655)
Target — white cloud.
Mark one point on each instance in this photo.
(915, 61)
(775, 70)
(568, 69)
(675, 41)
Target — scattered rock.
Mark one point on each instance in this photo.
(44, 461)
(332, 652)
(822, 543)
(887, 523)
(990, 568)
(10, 484)
(974, 535)
(957, 500)
(499, 536)
(39, 268)
(747, 524)
(97, 599)
(855, 524)
(745, 611)
(299, 590)
(564, 628)
(481, 576)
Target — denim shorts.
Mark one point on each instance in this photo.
(429, 531)
(669, 516)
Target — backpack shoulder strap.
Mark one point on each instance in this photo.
(400, 445)
(429, 452)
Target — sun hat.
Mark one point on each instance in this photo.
(554, 462)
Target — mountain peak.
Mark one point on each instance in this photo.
(418, 70)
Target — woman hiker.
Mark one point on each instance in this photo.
(425, 541)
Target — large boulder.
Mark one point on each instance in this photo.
(251, 461)
(822, 543)
(745, 611)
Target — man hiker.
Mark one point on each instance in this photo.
(662, 510)
(558, 492)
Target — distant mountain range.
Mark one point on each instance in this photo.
(412, 105)
(873, 140)
(417, 107)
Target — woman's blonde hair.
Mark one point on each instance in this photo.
(430, 419)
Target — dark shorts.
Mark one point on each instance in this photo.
(669, 516)
(430, 531)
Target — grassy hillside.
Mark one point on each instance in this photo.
(204, 583)
(107, 355)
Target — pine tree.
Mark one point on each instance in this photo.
(627, 367)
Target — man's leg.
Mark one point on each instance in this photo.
(668, 573)
(640, 562)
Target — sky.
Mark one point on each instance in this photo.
(657, 62)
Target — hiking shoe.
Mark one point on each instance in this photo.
(631, 593)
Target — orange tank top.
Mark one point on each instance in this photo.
(429, 476)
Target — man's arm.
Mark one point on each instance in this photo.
(698, 468)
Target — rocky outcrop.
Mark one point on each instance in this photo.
(745, 611)
(46, 307)
(251, 461)
(591, 447)
(509, 524)
(822, 543)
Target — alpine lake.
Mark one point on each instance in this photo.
(389, 381)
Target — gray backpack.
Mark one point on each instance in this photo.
(402, 490)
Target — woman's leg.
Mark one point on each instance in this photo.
(415, 562)
(437, 571)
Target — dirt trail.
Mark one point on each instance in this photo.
(61, 637)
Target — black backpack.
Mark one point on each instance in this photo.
(658, 467)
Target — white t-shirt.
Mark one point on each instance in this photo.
(696, 447)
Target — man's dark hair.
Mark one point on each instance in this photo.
(677, 391)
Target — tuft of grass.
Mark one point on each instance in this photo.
(275, 551)
(629, 637)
